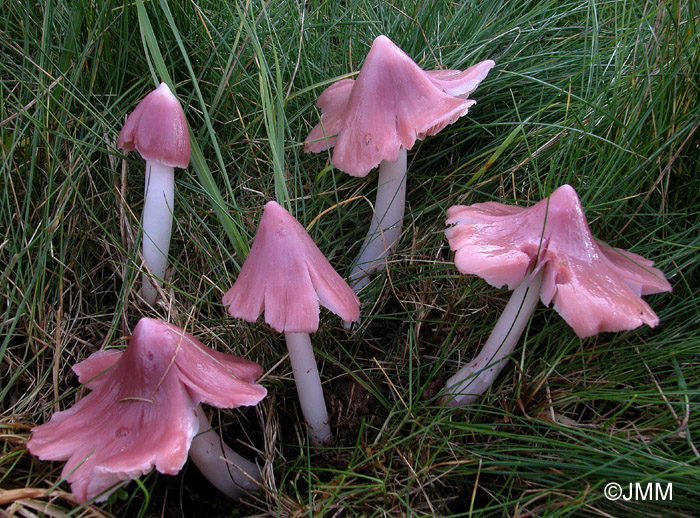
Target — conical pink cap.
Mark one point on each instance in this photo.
(390, 105)
(286, 276)
(593, 286)
(157, 129)
(142, 409)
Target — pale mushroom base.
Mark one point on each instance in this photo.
(308, 381)
(476, 377)
(387, 221)
(157, 225)
(228, 471)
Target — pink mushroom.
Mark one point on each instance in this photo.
(286, 276)
(373, 120)
(157, 129)
(545, 252)
(143, 411)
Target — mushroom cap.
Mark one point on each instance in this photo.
(287, 276)
(392, 103)
(142, 409)
(593, 286)
(157, 129)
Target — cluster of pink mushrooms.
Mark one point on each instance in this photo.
(144, 406)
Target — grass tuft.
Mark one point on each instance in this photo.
(600, 95)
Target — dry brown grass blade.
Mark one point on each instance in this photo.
(29, 498)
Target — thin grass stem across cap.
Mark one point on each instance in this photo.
(142, 411)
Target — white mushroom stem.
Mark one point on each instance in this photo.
(230, 473)
(476, 377)
(157, 224)
(385, 228)
(313, 406)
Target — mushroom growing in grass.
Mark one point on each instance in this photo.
(545, 252)
(157, 129)
(286, 276)
(144, 411)
(373, 120)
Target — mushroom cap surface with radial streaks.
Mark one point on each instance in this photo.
(390, 105)
(286, 276)
(157, 129)
(141, 411)
(593, 286)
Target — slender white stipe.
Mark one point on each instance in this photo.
(228, 471)
(476, 377)
(306, 376)
(157, 224)
(387, 220)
